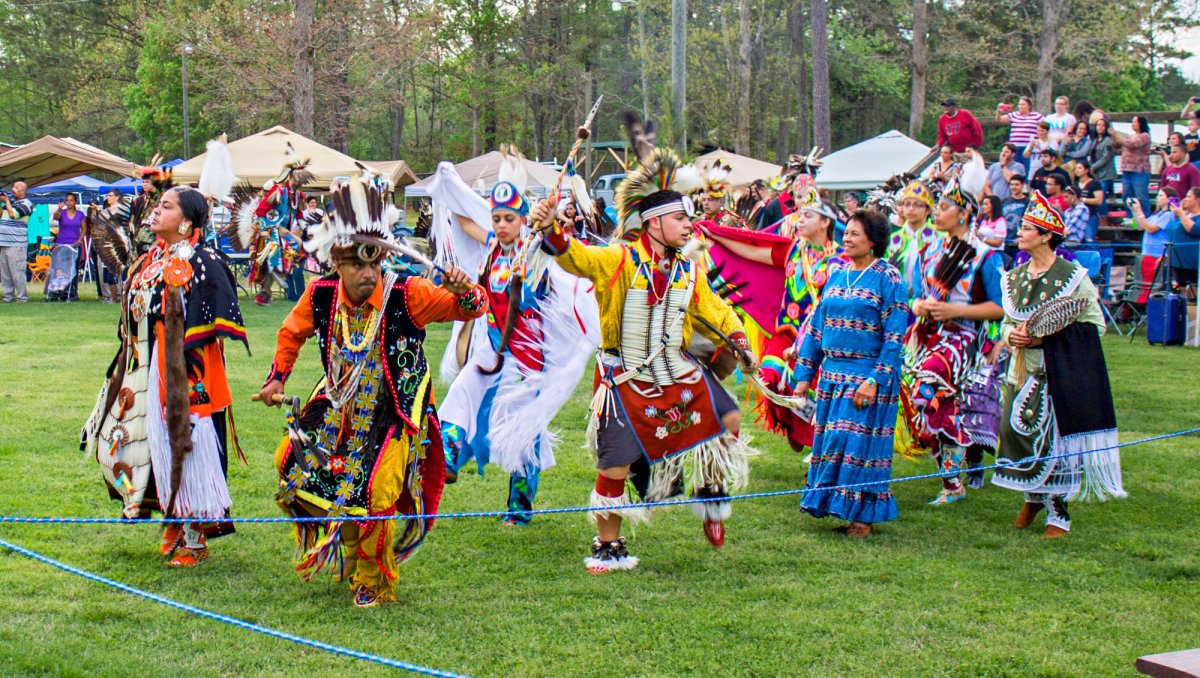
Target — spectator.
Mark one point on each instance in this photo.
(1185, 238)
(1083, 110)
(1156, 233)
(1061, 121)
(1013, 210)
(1135, 161)
(957, 128)
(1091, 194)
(990, 226)
(773, 212)
(1102, 162)
(1048, 166)
(944, 168)
(1177, 172)
(852, 202)
(1002, 171)
(67, 226)
(1079, 145)
(1055, 192)
(1039, 143)
(1191, 140)
(14, 242)
(1022, 126)
(1075, 214)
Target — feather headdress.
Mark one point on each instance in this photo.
(216, 177)
(294, 167)
(361, 215)
(659, 185)
(803, 164)
(155, 172)
(716, 179)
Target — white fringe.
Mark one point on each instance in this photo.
(1101, 464)
(635, 516)
(712, 510)
(722, 462)
(623, 564)
(203, 492)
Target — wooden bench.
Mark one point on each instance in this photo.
(1182, 664)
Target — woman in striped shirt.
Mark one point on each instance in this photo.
(1023, 124)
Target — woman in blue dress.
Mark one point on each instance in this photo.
(855, 341)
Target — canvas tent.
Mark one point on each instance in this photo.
(131, 186)
(869, 163)
(482, 173)
(260, 157)
(397, 171)
(51, 159)
(744, 170)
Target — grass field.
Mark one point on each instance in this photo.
(951, 591)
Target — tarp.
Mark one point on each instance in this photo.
(744, 170)
(131, 186)
(51, 159)
(260, 157)
(869, 163)
(481, 175)
(396, 170)
(80, 184)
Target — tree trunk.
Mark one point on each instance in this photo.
(819, 20)
(398, 114)
(303, 101)
(742, 79)
(1054, 15)
(797, 21)
(642, 56)
(920, 62)
(679, 71)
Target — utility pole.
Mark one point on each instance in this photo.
(679, 71)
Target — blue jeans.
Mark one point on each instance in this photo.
(1093, 227)
(1107, 186)
(1136, 185)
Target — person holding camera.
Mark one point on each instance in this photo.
(1191, 140)
(1177, 172)
(14, 242)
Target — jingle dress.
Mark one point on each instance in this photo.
(1057, 397)
(129, 433)
(372, 416)
(856, 333)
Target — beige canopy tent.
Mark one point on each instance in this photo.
(744, 170)
(260, 157)
(482, 173)
(51, 159)
(397, 171)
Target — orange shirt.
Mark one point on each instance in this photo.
(427, 303)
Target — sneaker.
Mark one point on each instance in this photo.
(609, 556)
(262, 300)
(715, 531)
(188, 557)
(365, 597)
(947, 496)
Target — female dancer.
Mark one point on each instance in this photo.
(159, 427)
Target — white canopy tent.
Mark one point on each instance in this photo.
(744, 169)
(482, 173)
(869, 163)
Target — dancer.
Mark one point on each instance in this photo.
(159, 429)
(915, 207)
(268, 226)
(806, 263)
(521, 366)
(1057, 399)
(854, 339)
(960, 292)
(658, 418)
(367, 442)
(156, 179)
(713, 197)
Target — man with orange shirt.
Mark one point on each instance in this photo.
(369, 441)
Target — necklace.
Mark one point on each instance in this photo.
(850, 284)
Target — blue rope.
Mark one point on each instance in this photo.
(587, 509)
(336, 649)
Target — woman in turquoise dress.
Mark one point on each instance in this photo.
(855, 340)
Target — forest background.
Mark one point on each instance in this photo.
(427, 80)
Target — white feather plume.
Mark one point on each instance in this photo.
(974, 174)
(216, 176)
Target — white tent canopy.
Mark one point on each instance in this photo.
(260, 157)
(482, 173)
(869, 163)
(744, 169)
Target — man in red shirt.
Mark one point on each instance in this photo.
(958, 129)
(1177, 172)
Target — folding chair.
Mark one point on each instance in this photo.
(1127, 312)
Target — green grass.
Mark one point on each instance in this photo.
(938, 592)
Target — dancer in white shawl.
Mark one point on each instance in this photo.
(516, 370)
